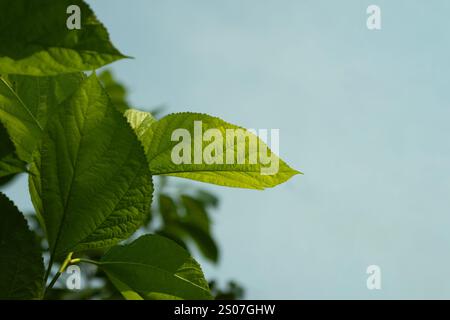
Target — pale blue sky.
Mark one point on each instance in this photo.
(364, 114)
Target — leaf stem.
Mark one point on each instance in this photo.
(85, 260)
(63, 267)
(49, 268)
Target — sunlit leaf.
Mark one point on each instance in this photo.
(159, 147)
(89, 181)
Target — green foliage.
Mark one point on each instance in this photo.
(140, 121)
(158, 146)
(26, 103)
(116, 91)
(10, 164)
(91, 161)
(191, 224)
(89, 178)
(233, 291)
(169, 272)
(35, 39)
(21, 266)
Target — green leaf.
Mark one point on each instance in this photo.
(196, 224)
(89, 182)
(202, 239)
(26, 102)
(193, 225)
(36, 40)
(21, 265)
(167, 208)
(174, 233)
(116, 91)
(10, 164)
(159, 148)
(195, 212)
(140, 121)
(207, 198)
(153, 267)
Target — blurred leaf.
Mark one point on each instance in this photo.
(36, 41)
(207, 198)
(116, 91)
(233, 291)
(153, 267)
(203, 240)
(148, 217)
(157, 110)
(173, 232)
(119, 97)
(194, 225)
(195, 212)
(21, 265)
(167, 208)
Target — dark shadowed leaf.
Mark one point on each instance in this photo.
(153, 267)
(168, 208)
(21, 266)
(36, 40)
(10, 163)
(195, 212)
(202, 239)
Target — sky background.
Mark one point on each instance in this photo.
(364, 114)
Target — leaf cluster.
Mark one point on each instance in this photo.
(92, 162)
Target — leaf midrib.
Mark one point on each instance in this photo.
(138, 172)
(22, 103)
(72, 179)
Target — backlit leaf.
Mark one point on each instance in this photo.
(159, 148)
(26, 102)
(89, 182)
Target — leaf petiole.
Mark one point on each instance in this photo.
(63, 267)
(77, 260)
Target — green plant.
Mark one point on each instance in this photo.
(91, 161)
(180, 212)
